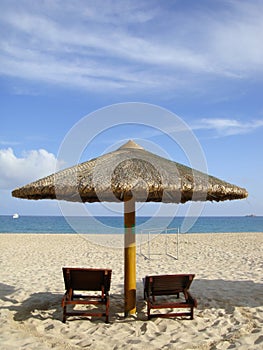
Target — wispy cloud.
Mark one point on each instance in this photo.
(227, 127)
(116, 45)
(9, 143)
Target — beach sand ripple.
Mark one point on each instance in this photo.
(228, 287)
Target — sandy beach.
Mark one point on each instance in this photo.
(228, 286)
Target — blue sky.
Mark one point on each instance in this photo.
(201, 60)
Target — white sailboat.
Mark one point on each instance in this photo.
(16, 216)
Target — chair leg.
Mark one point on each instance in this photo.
(107, 311)
(148, 309)
(64, 314)
(192, 313)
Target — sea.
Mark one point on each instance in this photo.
(115, 224)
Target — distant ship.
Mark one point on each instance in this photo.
(15, 216)
(250, 216)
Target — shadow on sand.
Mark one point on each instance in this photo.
(224, 294)
(218, 294)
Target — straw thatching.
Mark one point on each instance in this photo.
(130, 171)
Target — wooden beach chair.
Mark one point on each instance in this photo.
(89, 281)
(157, 289)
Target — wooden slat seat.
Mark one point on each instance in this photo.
(84, 280)
(158, 286)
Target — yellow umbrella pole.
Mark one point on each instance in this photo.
(129, 258)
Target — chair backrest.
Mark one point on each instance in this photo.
(87, 278)
(168, 284)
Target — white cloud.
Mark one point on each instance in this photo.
(115, 44)
(237, 41)
(227, 127)
(15, 172)
(82, 63)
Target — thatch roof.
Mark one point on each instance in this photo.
(130, 170)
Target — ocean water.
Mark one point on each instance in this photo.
(106, 224)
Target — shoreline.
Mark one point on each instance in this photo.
(138, 233)
(228, 287)
(112, 224)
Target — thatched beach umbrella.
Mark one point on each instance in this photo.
(130, 174)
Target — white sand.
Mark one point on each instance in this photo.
(228, 287)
